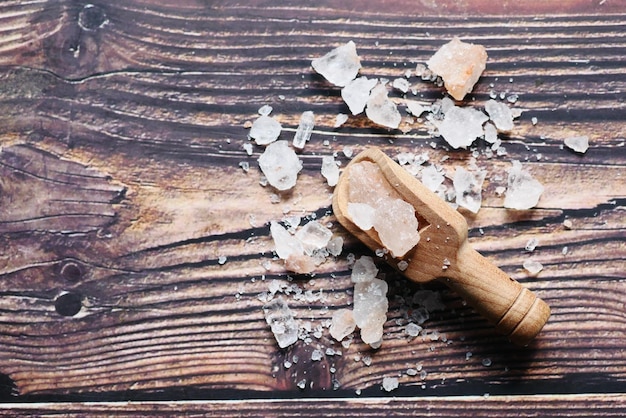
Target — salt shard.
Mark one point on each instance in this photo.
(362, 215)
(461, 126)
(356, 93)
(390, 383)
(281, 321)
(500, 114)
(468, 188)
(339, 66)
(330, 170)
(381, 110)
(491, 133)
(578, 144)
(460, 65)
(265, 130)
(523, 191)
(340, 119)
(432, 178)
(370, 309)
(291, 249)
(396, 225)
(364, 270)
(415, 108)
(305, 127)
(280, 165)
(342, 324)
(532, 267)
(313, 236)
(401, 84)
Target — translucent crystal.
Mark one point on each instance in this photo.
(381, 110)
(578, 144)
(500, 114)
(280, 165)
(432, 178)
(460, 65)
(339, 66)
(265, 130)
(401, 84)
(468, 188)
(362, 215)
(415, 108)
(340, 119)
(330, 170)
(370, 309)
(531, 244)
(291, 249)
(281, 321)
(313, 236)
(533, 267)
(356, 93)
(412, 329)
(305, 127)
(461, 126)
(390, 383)
(396, 225)
(491, 133)
(335, 246)
(265, 110)
(364, 270)
(342, 325)
(523, 190)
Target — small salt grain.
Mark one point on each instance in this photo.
(305, 127)
(534, 120)
(265, 130)
(531, 244)
(248, 148)
(532, 267)
(356, 93)
(265, 110)
(564, 250)
(390, 383)
(221, 260)
(401, 84)
(340, 119)
(579, 144)
(568, 224)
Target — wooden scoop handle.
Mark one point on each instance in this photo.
(515, 310)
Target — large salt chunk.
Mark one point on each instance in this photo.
(305, 127)
(356, 93)
(313, 236)
(432, 178)
(367, 184)
(281, 165)
(468, 188)
(330, 170)
(523, 191)
(265, 130)
(291, 249)
(339, 66)
(364, 270)
(578, 144)
(533, 267)
(362, 215)
(390, 383)
(370, 309)
(396, 225)
(461, 126)
(342, 324)
(281, 321)
(381, 110)
(500, 114)
(460, 65)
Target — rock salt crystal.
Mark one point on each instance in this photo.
(500, 114)
(370, 309)
(491, 133)
(313, 236)
(265, 130)
(340, 119)
(390, 383)
(401, 84)
(523, 191)
(468, 187)
(335, 246)
(342, 325)
(531, 245)
(415, 108)
(381, 110)
(339, 66)
(532, 267)
(305, 127)
(461, 126)
(412, 330)
(281, 321)
(364, 270)
(362, 215)
(330, 170)
(432, 178)
(280, 165)
(356, 93)
(396, 225)
(265, 110)
(460, 65)
(578, 144)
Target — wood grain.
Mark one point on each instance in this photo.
(122, 130)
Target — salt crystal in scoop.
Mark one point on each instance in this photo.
(339, 66)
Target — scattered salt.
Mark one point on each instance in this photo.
(265, 130)
(317, 355)
(486, 362)
(390, 383)
(534, 120)
(356, 93)
(280, 165)
(500, 115)
(305, 127)
(364, 270)
(339, 66)
(340, 119)
(415, 108)
(578, 144)
(348, 152)
(461, 126)
(491, 133)
(401, 84)
(330, 170)
(281, 321)
(221, 260)
(568, 224)
(313, 236)
(265, 110)
(432, 178)
(531, 244)
(412, 330)
(468, 187)
(335, 246)
(523, 190)
(533, 267)
(248, 148)
(370, 309)
(381, 110)
(342, 325)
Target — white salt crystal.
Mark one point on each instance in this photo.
(564, 250)
(265, 130)
(461, 126)
(330, 170)
(523, 191)
(401, 84)
(432, 178)
(291, 249)
(265, 110)
(335, 246)
(280, 165)
(364, 270)
(381, 110)
(281, 321)
(390, 383)
(221, 260)
(568, 224)
(317, 355)
(415, 108)
(578, 144)
(362, 215)
(248, 148)
(534, 120)
(396, 225)
(412, 329)
(468, 188)
(460, 65)
(313, 236)
(533, 267)
(370, 309)
(356, 93)
(342, 324)
(301, 383)
(305, 127)
(500, 115)
(402, 265)
(491, 133)
(340, 119)
(531, 244)
(339, 66)
(347, 151)
(245, 166)
(486, 362)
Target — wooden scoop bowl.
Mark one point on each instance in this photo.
(444, 252)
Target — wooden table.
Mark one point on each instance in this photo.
(120, 189)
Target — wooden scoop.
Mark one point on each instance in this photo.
(444, 252)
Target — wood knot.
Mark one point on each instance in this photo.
(92, 17)
(71, 271)
(68, 304)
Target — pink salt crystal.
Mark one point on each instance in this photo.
(460, 65)
(342, 324)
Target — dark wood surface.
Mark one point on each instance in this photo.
(122, 126)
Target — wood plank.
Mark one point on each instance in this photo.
(128, 123)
